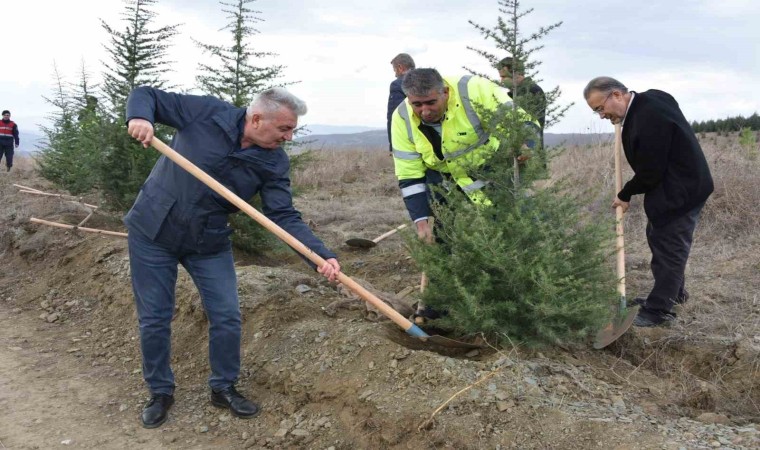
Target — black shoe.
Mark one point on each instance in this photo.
(237, 404)
(683, 298)
(9, 169)
(638, 301)
(653, 318)
(156, 411)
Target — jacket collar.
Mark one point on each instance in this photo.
(232, 121)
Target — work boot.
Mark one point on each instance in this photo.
(156, 411)
(238, 405)
(647, 318)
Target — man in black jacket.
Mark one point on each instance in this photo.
(530, 95)
(401, 63)
(671, 171)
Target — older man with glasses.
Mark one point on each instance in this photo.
(671, 171)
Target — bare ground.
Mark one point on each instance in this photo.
(70, 364)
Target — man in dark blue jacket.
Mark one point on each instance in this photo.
(671, 171)
(401, 63)
(176, 219)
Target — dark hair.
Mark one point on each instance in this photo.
(605, 85)
(5, 111)
(421, 82)
(403, 59)
(513, 65)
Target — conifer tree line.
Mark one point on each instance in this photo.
(728, 124)
(87, 146)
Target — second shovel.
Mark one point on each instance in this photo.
(369, 243)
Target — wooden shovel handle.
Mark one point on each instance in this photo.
(389, 233)
(620, 241)
(230, 196)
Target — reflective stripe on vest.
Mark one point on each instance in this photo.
(400, 154)
(402, 111)
(413, 189)
(474, 186)
(472, 117)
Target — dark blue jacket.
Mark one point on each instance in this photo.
(177, 210)
(395, 97)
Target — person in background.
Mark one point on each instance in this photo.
(8, 139)
(176, 219)
(671, 171)
(401, 63)
(512, 75)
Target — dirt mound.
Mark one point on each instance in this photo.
(71, 363)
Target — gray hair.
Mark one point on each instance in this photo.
(403, 59)
(273, 99)
(605, 85)
(421, 81)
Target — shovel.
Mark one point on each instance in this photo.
(403, 322)
(625, 316)
(367, 243)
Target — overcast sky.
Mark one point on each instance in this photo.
(704, 52)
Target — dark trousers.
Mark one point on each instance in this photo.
(670, 245)
(7, 150)
(154, 276)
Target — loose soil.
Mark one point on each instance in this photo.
(329, 377)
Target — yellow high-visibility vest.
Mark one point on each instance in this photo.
(464, 140)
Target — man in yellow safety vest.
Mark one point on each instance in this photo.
(438, 128)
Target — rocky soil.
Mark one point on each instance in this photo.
(331, 375)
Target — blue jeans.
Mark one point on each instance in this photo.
(154, 277)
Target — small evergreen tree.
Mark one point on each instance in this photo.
(748, 141)
(138, 57)
(531, 266)
(58, 153)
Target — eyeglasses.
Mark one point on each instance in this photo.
(600, 109)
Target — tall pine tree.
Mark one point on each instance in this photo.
(58, 154)
(233, 75)
(138, 57)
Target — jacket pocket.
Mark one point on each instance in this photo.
(149, 212)
(216, 233)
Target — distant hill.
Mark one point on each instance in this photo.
(29, 142)
(378, 139)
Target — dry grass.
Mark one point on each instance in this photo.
(354, 192)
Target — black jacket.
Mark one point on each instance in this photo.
(668, 164)
(395, 97)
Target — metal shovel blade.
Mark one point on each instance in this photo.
(361, 243)
(450, 343)
(429, 342)
(616, 328)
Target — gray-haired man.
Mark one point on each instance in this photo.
(671, 171)
(176, 219)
